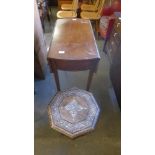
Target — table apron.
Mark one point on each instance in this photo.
(73, 65)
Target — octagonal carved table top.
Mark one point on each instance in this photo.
(73, 112)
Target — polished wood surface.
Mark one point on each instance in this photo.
(73, 39)
(73, 48)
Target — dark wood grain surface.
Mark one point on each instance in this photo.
(73, 48)
(73, 39)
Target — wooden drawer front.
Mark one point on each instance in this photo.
(72, 65)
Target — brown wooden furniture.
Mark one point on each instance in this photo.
(40, 62)
(113, 50)
(94, 16)
(73, 6)
(60, 2)
(66, 14)
(90, 7)
(68, 10)
(73, 112)
(73, 48)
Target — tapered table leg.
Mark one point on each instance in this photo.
(90, 77)
(57, 79)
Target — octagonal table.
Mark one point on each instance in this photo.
(73, 112)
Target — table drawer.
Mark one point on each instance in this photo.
(73, 65)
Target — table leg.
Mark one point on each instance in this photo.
(57, 79)
(90, 77)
